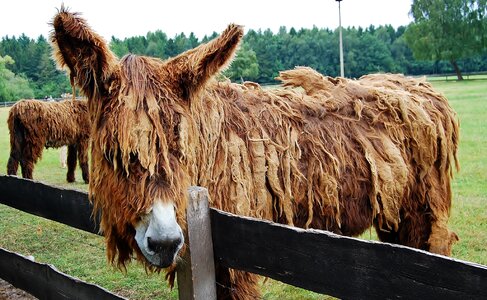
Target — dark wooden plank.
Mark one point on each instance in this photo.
(196, 271)
(341, 266)
(45, 282)
(69, 207)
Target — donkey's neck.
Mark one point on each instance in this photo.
(223, 142)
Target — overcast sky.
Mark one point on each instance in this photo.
(203, 17)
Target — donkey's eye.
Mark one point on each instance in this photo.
(132, 158)
(143, 218)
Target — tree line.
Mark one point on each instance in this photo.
(430, 45)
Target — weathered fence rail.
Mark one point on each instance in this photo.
(69, 207)
(11, 103)
(7, 104)
(315, 260)
(342, 266)
(45, 282)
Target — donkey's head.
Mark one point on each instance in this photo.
(141, 125)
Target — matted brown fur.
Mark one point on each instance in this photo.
(326, 153)
(35, 124)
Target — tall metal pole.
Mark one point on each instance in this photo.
(342, 69)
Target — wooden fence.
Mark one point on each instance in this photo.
(11, 103)
(312, 259)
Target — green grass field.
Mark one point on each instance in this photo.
(82, 254)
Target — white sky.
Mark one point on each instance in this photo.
(131, 18)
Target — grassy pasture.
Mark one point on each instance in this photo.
(82, 255)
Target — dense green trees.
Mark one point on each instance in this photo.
(448, 30)
(12, 87)
(244, 66)
(264, 53)
(33, 66)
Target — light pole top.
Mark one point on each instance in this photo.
(342, 69)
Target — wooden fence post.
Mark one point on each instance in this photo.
(196, 271)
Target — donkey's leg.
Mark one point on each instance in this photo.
(236, 285)
(12, 164)
(31, 152)
(441, 239)
(83, 160)
(414, 228)
(72, 153)
(386, 236)
(27, 166)
(17, 141)
(424, 218)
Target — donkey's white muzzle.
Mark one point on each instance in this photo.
(159, 236)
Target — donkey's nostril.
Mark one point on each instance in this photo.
(166, 245)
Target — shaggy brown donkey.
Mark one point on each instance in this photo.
(335, 154)
(35, 124)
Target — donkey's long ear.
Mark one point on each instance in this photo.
(193, 68)
(83, 52)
